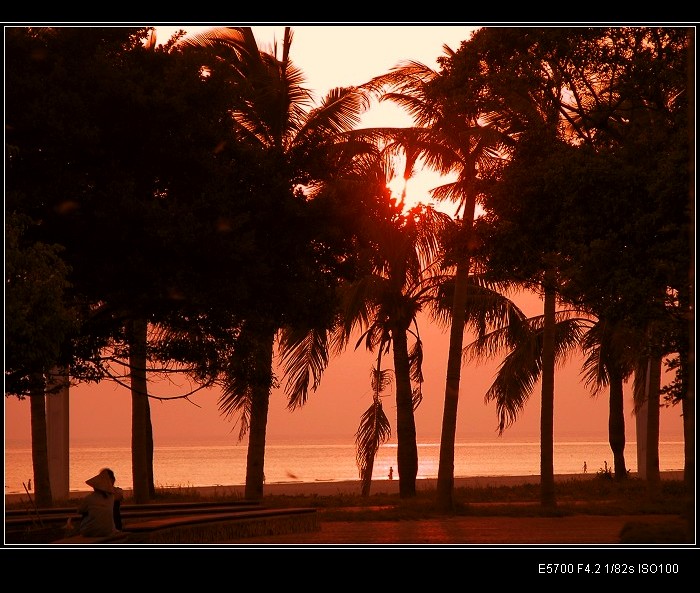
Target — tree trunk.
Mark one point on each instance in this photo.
(616, 424)
(366, 478)
(547, 493)
(255, 463)
(688, 403)
(40, 452)
(140, 414)
(653, 379)
(58, 430)
(446, 467)
(688, 410)
(407, 449)
(149, 449)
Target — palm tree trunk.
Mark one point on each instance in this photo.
(255, 463)
(407, 449)
(616, 424)
(688, 411)
(653, 379)
(446, 466)
(40, 452)
(366, 478)
(688, 405)
(547, 493)
(140, 413)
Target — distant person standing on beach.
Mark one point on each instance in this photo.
(98, 507)
(391, 473)
(585, 468)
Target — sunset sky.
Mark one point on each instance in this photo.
(331, 56)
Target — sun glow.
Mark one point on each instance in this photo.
(418, 190)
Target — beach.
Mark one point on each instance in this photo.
(353, 487)
(318, 462)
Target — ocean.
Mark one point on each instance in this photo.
(221, 463)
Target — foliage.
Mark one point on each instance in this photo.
(299, 263)
(374, 429)
(399, 276)
(195, 185)
(39, 318)
(593, 133)
(120, 190)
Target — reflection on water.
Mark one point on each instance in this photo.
(224, 464)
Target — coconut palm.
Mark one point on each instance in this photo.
(609, 349)
(523, 339)
(609, 361)
(462, 142)
(272, 115)
(403, 275)
(587, 88)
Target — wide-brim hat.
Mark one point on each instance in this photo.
(101, 482)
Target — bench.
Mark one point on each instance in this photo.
(222, 527)
(184, 523)
(24, 520)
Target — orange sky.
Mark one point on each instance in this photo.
(340, 56)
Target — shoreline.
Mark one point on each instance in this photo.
(353, 487)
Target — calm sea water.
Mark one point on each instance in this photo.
(223, 464)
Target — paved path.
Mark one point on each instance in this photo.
(576, 529)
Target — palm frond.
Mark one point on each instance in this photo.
(513, 385)
(415, 359)
(235, 402)
(339, 111)
(569, 332)
(235, 38)
(380, 379)
(357, 304)
(521, 368)
(594, 371)
(419, 110)
(304, 357)
(374, 430)
(374, 426)
(607, 346)
(450, 191)
(406, 77)
(417, 396)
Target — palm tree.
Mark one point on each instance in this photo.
(272, 116)
(403, 275)
(524, 340)
(609, 361)
(452, 140)
(609, 349)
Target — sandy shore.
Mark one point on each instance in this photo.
(353, 487)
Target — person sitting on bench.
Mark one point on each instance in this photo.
(100, 508)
